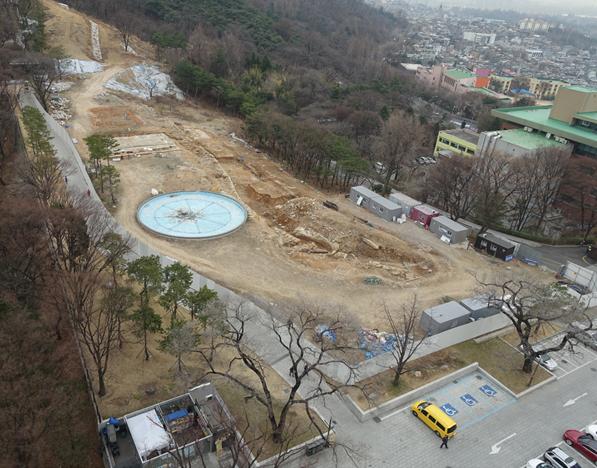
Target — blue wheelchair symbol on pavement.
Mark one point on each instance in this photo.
(469, 399)
(488, 390)
(449, 409)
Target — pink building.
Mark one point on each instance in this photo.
(432, 76)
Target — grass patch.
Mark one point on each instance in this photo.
(502, 361)
(495, 356)
(379, 388)
(545, 331)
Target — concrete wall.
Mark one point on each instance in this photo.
(580, 275)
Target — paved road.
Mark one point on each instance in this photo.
(555, 256)
(400, 440)
(538, 420)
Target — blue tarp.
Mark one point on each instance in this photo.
(374, 343)
(181, 413)
(325, 332)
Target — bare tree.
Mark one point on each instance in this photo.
(529, 306)
(43, 72)
(77, 239)
(307, 363)
(577, 198)
(97, 330)
(402, 137)
(495, 188)
(527, 179)
(452, 185)
(404, 327)
(553, 167)
(8, 122)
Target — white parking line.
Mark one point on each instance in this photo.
(393, 413)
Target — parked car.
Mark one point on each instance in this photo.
(582, 442)
(592, 431)
(537, 463)
(560, 459)
(547, 361)
(582, 290)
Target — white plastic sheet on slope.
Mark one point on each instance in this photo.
(147, 80)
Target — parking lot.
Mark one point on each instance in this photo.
(569, 451)
(567, 360)
(470, 399)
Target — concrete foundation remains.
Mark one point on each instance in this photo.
(140, 145)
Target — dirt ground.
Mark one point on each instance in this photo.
(292, 249)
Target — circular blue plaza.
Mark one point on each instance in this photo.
(192, 215)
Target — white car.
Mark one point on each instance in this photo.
(592, 431)
(537, 463)
(557, 457)
(547, 361)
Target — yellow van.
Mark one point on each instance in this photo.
(438, 421)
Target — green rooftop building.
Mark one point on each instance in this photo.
(571, 119)
(571, 123)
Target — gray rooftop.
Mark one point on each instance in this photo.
(450, 224)
(475, 303)
(464, 134)
(387, 204)
(404, 198)
(498, 240)
(366, 192)
(426, 209)
(447, 312)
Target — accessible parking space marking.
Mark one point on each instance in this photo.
(470, 399)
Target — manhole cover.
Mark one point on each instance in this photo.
(377, 419)
(454, 381)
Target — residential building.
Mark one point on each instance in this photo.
(479, 38)
(534, 25)
(483, 77)
(460, 141)
(458, 81)
(572, 118)
(537, 87)
(500, 84)
(518, 142)
(570, 121)
(431, 76)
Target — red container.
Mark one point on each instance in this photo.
(423, 214)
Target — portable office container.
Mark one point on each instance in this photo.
(423, 214)
(404, 201)
(443, 226)
(495, 246)
(444, 317)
